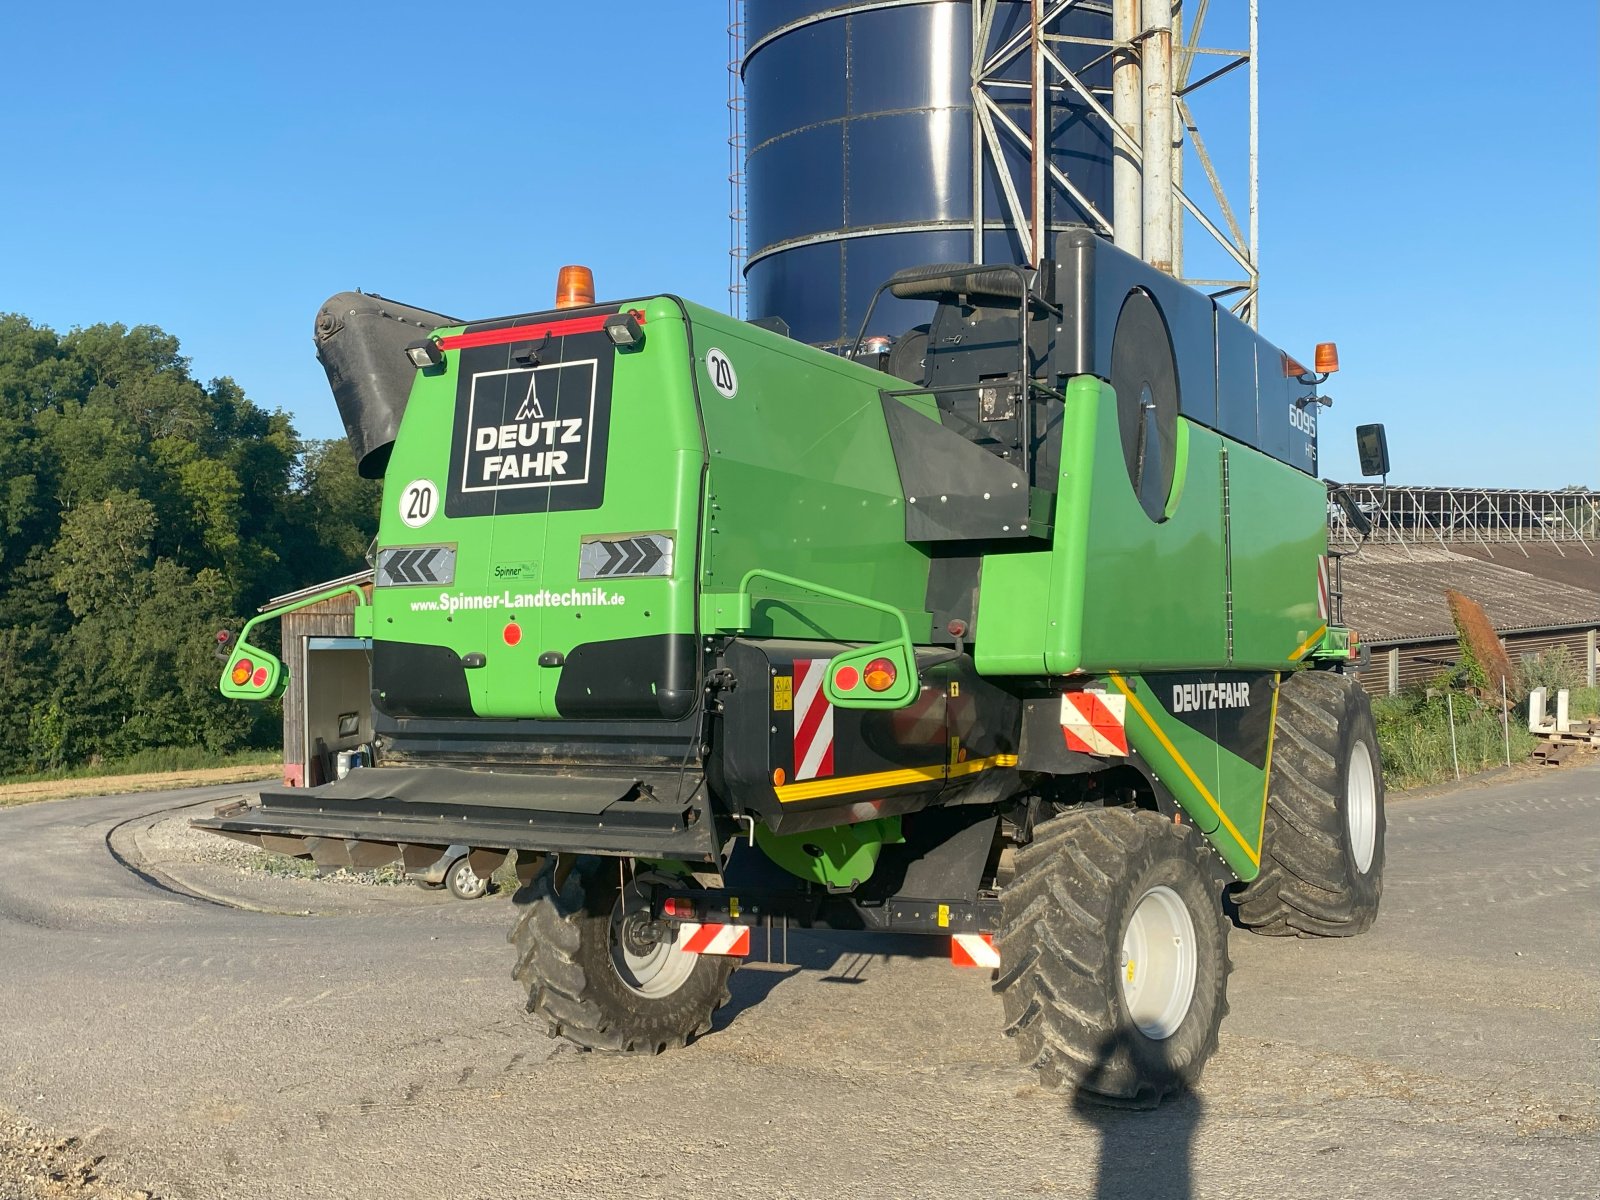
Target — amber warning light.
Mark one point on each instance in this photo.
(574, 287)
(1327, 358)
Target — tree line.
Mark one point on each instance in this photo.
(140, 512)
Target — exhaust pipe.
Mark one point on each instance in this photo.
(361, 341)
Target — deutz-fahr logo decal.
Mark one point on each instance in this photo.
(538, 446)
(530, 427)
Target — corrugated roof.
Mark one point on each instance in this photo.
(361, 577)
(1396, 593)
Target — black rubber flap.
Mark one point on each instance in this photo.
(1145, 377)
(443, 786)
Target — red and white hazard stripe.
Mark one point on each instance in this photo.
(974, 950)
(1323, 607)
(733, 940)
(1095, 722)
(813, 721)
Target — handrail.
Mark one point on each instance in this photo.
(821, 589)
(284, 609)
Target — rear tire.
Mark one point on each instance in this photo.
(1114, 956)
(593, 983)
(1322, 856)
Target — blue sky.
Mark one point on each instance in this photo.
(1429, 192)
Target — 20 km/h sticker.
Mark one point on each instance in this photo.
(418, 502)
(723, 377)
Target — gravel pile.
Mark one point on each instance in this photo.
(37, 1165)
(173, 841)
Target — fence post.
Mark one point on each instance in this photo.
(1450, 708)
(1394, 671)
(1590, 657)
(1505, 719)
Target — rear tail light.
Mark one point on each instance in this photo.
(678, 908)
(242, 670)
(881, 675)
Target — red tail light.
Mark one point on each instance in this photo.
(677, 907)
(242, 670)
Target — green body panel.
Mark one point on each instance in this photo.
(841, 857)
(524, 567)
(802, 481)
(1118, 591)
(1225, 795)
(1279, 529)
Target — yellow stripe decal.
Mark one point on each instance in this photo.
(1305, 646)
(1166, 742)
(814, 789)
(1266, 768)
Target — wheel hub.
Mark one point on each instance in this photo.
(1361, 806)
(647, 963)
(1159, 962)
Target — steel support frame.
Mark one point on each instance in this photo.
(1566, 521)
(1153, 50)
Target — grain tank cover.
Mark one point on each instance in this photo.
(361, 341)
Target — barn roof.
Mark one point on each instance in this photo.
(1396, 593)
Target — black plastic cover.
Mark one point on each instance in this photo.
(361, 341)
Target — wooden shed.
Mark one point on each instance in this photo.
(327, 707)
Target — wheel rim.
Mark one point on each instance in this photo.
(1361, 806)
(467, 882)
(1160, 957)
(651, 969)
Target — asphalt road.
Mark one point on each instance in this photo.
(211, 1052)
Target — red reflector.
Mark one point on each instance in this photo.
(512, 633)
(881, 674)
(845, 679)
(241, 672)
(259, 679)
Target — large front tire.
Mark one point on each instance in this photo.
(1113, 952)
(591, 975)
(1322, 856)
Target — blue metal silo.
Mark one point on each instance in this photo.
(859, 123)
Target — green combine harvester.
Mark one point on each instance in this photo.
(1015, 630)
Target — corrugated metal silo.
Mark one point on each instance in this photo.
(859, 123)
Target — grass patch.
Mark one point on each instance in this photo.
(153, 762)
(1414, 734)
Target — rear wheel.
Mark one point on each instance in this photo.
(1322, 857)
(1113, 953)
(598, 969)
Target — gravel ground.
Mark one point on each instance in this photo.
(382, 1050)
(38, 1165)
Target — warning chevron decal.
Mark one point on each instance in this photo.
(401, 565)
(619, 555)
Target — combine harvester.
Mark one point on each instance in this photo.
(1012, 635)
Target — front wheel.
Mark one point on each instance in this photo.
(1114, 958)
(1322, 856)
(600, 971)
(464, 883)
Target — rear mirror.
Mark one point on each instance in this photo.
(1373, 447)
